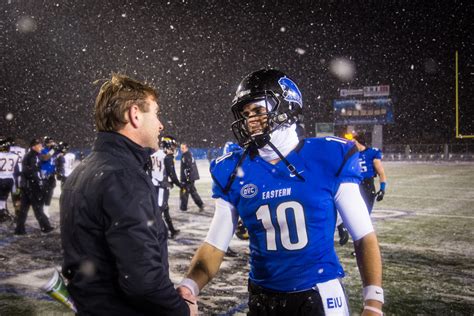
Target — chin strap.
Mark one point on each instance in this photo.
(287, 163)
(234, 172)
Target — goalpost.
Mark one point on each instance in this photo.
(458, 135)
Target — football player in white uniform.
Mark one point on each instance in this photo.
(8, 176)
(16, 195)
(162, 172)
(64, 162)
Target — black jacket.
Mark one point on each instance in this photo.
(113, 237)
(189, 170)
(30, 171)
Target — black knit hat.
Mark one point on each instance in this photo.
(35, 141)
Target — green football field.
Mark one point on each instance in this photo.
(424, 226)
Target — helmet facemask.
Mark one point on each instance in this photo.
(275, 92)
(169, 144)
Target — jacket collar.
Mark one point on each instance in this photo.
(121, 146)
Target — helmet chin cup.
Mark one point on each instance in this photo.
(260, 140)
(280, 118)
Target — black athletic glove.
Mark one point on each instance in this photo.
(241, 232)
(381, 193)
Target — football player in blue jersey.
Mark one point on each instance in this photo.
(287, 192)
(370, 160)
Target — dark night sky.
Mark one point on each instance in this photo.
(196, 52)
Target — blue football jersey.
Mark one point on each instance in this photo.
(47, 167)
(366, 161)
(291, 222)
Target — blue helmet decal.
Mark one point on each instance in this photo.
(291, 93)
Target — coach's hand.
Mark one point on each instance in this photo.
(190, 299)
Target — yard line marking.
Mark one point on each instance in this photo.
(443, 251)
(443, 215)
(391, 213)
(430, 197)
(428, 187)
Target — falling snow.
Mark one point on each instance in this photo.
(196, 53)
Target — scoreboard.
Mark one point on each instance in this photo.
(369, 105)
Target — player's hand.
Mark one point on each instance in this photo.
(190, 299)
(17, 192)
(379, 195)
(241, 232)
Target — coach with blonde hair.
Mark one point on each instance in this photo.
(113, 237)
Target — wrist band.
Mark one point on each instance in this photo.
(191, 285)
(373, 292)
(373, 309)
(382, 186)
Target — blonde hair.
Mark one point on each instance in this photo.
(116, 97)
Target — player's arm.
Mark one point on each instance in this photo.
(383, 179)
(208, 258)
(380, 170)
(47, 154)
(170, 171)
(354, 212)
(16, 175)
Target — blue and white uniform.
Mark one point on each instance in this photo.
(48, 167)
(366, 161)
(367, 186)
(291, 222)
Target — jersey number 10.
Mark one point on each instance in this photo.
(263, 214)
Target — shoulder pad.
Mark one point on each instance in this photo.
(221, 168)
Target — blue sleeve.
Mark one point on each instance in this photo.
(378, 154)
(351, 172)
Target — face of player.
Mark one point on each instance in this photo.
(184, 148)
(256, 118)
(151, 126)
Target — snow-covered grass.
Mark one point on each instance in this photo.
(424, 227)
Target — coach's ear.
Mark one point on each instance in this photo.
(134, 116)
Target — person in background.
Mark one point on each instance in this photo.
(48, 171)
(163, 171)
(287, 192)
(32, 193)
(9, 172)
(114, 240)
(64, 162)
(370, 160)
(17, 148)
(189, 174)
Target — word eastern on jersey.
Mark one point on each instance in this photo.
(276, 193)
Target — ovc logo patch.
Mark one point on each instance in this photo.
(249, 191)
